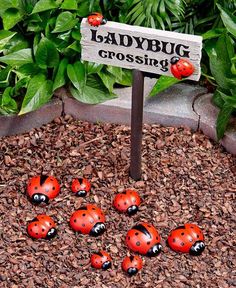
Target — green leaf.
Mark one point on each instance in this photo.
(18, 58)
(4, 76)
(6, 4)
(83, 9)
(46, 54)
(108, 80)
(217, 99)
(93, 92)
(16, 43)
(38, 93)
(163, 83)
(93, 68)
(228, 99)
(5, 37)
(123, 76)
(10, 18)
(213, 33)
(44, 5)
(29, 69)
(60, 78)
(69, 5)
(65, 21)
(229, 20)
(76, 74)
(223, 120)
(7, 102)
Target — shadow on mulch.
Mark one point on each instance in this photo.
(186, 178)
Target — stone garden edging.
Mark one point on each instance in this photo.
(181, 105)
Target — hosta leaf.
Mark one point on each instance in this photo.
(44, 5)
(18, 58)
(10, 18)
(38, 93)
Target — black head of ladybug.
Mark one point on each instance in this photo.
(132, 271)
(39, 198)
(174, 60)
(154, 251)
(132, 210)
(97, 229)
(81, 193)
(106, 265)
(197, 248)
(51, 233)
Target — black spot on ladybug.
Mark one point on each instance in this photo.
(53, 188)
(35, 188)
(93, 208)
(182, 233)
(83, 225)
(84, 215)
(173, 240)
(35, 224)
(37, 233)
(74, 220)
(157, 238)
(142, 229)
(99, 217)
(191, 227)
(138, 243)
(51, 179)
(80, 181)
(131, 258)
(43, 230)
(125, 203)
(148, 243)
(197, 236)
(136, 233)
(182, 244)
(43, 178)
(128, 238)
(118, 205)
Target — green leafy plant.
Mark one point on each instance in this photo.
(40, 52)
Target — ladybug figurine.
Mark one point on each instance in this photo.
(181, 68)
(101, 260)
(42, 227)
(80, 187)
(42, 188)
(96, 19)
(187, 239)
(132, 265)
(88, 220)
(127, 201)
(144, 239)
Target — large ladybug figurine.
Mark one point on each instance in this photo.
(42, 227)
(96, 19)
(132, 265)
(127, 201)
(80, 187)
(42, 188)
(144, 239)
(88, 220)
(187, 239)
(181, 67)
(101, 260)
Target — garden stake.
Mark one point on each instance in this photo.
(136, 124)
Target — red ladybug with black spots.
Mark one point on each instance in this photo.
(187, 239)
(42, 226)
(96, 19)
(88, 220)
(181, 68)
(144, 239)
(127, 201)
(101, 260)
(80, 187)
(132, 265)
(42, 188)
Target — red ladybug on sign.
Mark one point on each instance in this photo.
(127, 201)
(144, 239)
(187, 239)
(181, 68)
(88, 220)
(96, 19)
(42, 188)
(132, 265)
(80, 187)
(101, 260)
(42, 226)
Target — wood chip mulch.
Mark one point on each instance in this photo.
(186, 178)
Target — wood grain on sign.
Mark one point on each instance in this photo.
(135, 47)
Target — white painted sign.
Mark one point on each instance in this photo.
(135, 47)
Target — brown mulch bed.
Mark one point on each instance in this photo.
(186, 177)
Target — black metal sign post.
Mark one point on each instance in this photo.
(136, 124)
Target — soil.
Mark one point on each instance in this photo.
(186, 178)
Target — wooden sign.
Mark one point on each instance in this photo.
(139, 48)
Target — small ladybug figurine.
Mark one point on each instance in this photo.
(96, 19)
(80, 187)
(127, 201)
(88, 220)
(144, 239)
(187, 239)
(101, 260)
(42, 188)
(181, 68)
(42, 226)
(132, 265)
